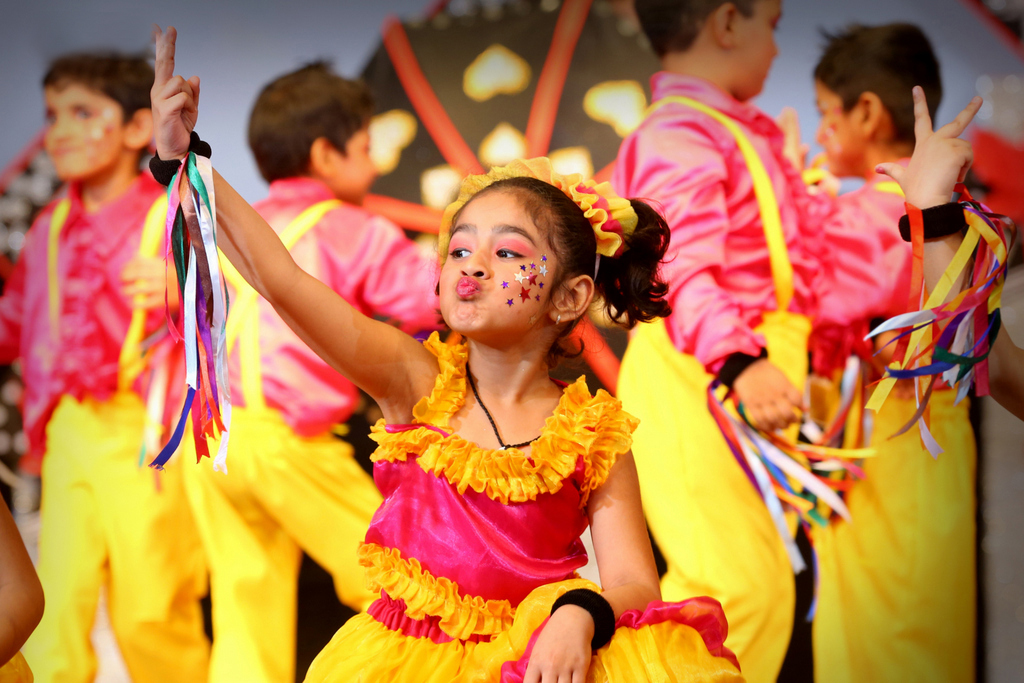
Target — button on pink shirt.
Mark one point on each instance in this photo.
(717, 264)
(81, 358)
(867, 275)
(364, 258)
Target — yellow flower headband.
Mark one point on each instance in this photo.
(611, 216)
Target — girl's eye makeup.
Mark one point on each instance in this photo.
(507, 253)
(459, 252)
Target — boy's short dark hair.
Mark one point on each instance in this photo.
(673, 25)
(887, 60)
(124, 78)
(292, 111)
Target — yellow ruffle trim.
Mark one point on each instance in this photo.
(425, 595)
(595, 428)
(449, 387)
(598, 201)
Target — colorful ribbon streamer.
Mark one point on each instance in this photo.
(950, 341)
(804, 478)
(192, 243)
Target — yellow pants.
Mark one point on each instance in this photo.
(711, 525)
(282, 493)
(105, 520)
(897, 592)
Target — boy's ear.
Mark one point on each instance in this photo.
(722, 24)
(138, 130)
(322, 154)
(572, 298)
(874, 119)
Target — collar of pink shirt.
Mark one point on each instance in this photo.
(299, 189)
(107, 227)
(668, 84)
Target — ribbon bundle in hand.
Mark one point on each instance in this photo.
(192, 243)
(949, 341)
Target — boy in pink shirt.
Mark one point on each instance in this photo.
(743, 295)
(880, 617)
(293, 485)
(87, 288)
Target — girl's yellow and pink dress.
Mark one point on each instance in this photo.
(471, 547)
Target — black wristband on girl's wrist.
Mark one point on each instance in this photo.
(164, 169)
(600, 611)
(939, 221)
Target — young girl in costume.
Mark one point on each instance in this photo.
(490, 471)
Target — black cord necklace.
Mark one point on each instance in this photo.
(504, 446)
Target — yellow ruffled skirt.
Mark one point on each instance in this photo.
(16, 671)
(366, 651)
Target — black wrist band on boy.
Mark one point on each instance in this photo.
(164, 170)
(600, 611)
(735, 364)
(939, 221)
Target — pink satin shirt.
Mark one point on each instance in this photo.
(364, 258)
(81, 357)
(717, 265)
(867, 275)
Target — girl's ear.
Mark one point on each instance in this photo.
(572, 298)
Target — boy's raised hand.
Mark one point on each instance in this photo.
(940, 158)
(175, 100)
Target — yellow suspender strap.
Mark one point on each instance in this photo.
(57, 220)
(889, 187)
(243, 320)
(130, 362)
(771, 219)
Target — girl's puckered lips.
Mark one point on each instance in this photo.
(467, 288)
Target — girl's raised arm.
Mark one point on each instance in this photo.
(385, 362)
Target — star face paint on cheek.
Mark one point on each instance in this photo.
(520, 278)
(544, 269)
(524, 294)
(510, 302)
(504, 285)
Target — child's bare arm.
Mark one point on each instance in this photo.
(385, 362)
(21, 595)
(621, 545)
(628, 576)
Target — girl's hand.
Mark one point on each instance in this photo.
(175, 101)
(940, 158)
(562, 651)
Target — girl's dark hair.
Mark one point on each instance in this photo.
(630, 285)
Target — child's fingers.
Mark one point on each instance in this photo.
(894, 171)
(164, 65)
(966, 156)
(922, 119)
(194, 82)
(954, 128)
